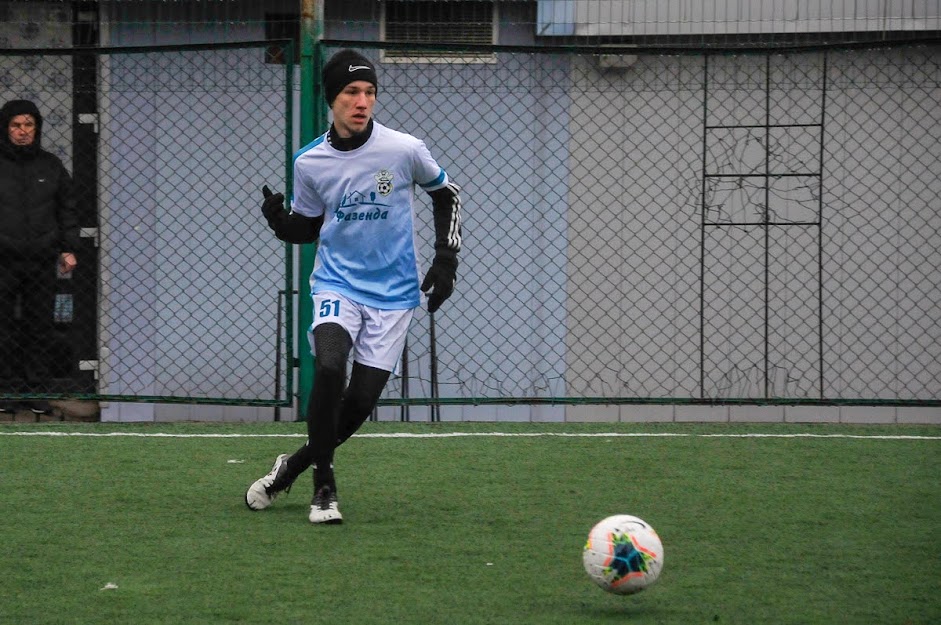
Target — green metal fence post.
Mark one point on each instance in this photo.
(313, 122)
(288, 252)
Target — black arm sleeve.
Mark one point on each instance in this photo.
(295, 228)
(446, 203)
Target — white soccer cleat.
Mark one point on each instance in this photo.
(261, 493)
(323, 509)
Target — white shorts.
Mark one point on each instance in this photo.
(378, 335)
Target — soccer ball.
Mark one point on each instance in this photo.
(623, 554)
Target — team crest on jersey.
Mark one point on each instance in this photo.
(384, 182)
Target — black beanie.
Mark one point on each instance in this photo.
(344, 67)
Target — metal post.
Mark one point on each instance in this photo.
(435, 406)
(289, 291)
(282, 296)
(403, 410)
(313, 122)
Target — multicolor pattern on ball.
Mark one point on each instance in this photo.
(623, 554)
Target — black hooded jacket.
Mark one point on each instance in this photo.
(38, 218)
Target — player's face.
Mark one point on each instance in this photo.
(352, 108)
(22, 130)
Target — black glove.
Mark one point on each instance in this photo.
(273, 205)
(288, 226)
(440, 279)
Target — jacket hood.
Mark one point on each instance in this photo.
(10, 110)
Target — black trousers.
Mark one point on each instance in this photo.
(27, 327)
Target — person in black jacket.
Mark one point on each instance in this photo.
(38, 235)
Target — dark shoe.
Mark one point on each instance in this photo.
(8, 406)
(40, 406)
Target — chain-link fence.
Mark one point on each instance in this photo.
(180, 293)
(639, 226)
(646, 227)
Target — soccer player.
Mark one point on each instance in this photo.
(353, 189)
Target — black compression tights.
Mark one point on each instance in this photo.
(334, 415)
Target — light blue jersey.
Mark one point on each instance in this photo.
(367, 248)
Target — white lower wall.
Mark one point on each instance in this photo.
(605, 413)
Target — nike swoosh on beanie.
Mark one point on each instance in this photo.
(344, 67)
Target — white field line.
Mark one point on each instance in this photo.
(490, 434)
